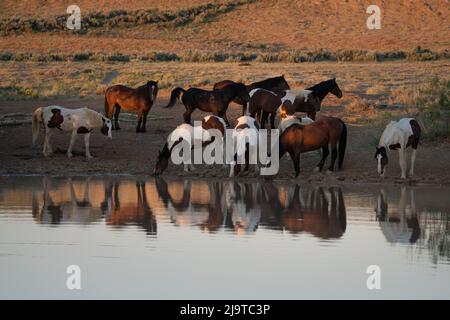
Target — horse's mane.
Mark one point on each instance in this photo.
(320, 85)
(269, 83)
(151, 83)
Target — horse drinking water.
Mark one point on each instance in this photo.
(398, 135)
(139, 100)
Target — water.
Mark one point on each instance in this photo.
(155, 238)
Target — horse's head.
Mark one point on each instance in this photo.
(106, 127)
(335, 88)
(163, 161)
(241, 91)
(153, 88)
(382, 159)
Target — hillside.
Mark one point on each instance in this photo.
(245, 25)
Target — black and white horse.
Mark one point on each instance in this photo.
(398, 135)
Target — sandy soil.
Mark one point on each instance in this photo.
(131, 153)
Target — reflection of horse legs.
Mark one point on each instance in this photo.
(116, 117)
(325, 153)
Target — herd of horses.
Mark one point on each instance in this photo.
(259, 101)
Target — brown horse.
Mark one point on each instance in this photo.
(312, 105)
(271, 84)
(139, 100)
(297, 139)
(215, 101)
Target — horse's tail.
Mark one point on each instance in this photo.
(342, 144)
(174, 96)
(37, 119)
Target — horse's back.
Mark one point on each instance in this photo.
(222, 84)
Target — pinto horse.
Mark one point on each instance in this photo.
(78, 121)
(398, 135)
(139, 100)
(327, 131)
(185, 132)
(267, 102)
(312, 105)
(215, 101)
(271, 84)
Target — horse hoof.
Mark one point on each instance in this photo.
(330, 171)
(69, 155)
(316, 169)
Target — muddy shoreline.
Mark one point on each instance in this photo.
(134, 154)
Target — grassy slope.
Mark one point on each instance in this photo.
(276, 25)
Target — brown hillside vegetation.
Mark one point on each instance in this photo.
(254, 26)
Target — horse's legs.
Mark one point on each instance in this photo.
(263, 119)
(334, 154)
(144, 121)
(223, 115)
(73, 137)
(47, 148)
(325, 153)
(402, 160)
(86, 145)
(187, 114)
(272, 120)
(138, 127)
(116, 117)
(296, 161)
(413, 159)
(244, 109)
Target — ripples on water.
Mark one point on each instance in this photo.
(224, 239)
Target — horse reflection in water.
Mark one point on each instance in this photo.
(204, 209)
(401, 225)
(119, 214)
(243, 207)
(62, 205)
(318, 211)
(59, 207)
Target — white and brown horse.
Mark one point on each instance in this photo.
(245, 138)
(264, 102)
(312, 105)
(78, 121)
(398, 135)
(185, 133)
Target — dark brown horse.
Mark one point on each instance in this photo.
(272, 84)
(139, 100)
(215, 101)
(327, 131)
(312, 105)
